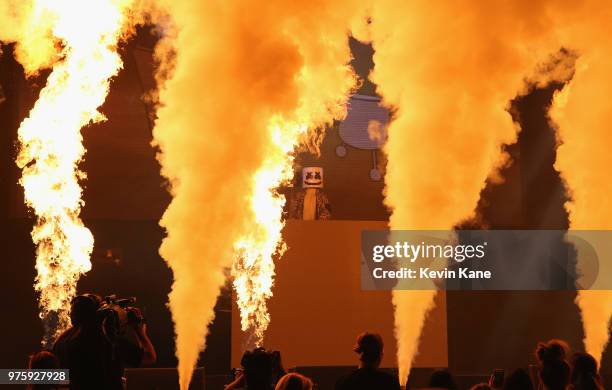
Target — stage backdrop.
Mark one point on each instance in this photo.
(318, 308)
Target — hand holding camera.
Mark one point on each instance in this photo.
(136, 320)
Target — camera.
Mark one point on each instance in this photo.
(116, 313)
(259, 361)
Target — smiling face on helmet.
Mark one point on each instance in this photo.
(312, 177)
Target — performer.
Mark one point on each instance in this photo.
(310, 202)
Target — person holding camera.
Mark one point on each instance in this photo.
(261, 370)
(95, 348)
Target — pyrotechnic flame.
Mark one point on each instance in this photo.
(51, 145)
(247, 79)
(253, 268)
(29, 24)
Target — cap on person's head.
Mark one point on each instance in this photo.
(84, 308)
(369, 346)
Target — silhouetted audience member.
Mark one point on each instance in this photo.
(368, 376)
(584, 372)
(257, 371)
(294, 381)
(442, 379)
(43, 360)
(518, 380)
(554, 370)
(95, 359)
(481, 386)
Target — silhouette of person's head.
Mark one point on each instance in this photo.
(84, 309)
(584, 372)
(258, 369)
(370, 349)
(518, 380)
(43, 360)
(442, 379)
(553, 367)
(294, 381)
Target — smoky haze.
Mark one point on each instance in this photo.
(233, 68)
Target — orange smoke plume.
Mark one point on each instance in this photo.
(449, 70)
(248, 81)
(583, 113)
(85, 35)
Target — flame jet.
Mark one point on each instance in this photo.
(50, 141)
(28, 23)
(449, 70)
(323, 83)
(242, 83)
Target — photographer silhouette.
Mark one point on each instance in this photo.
(96, 348)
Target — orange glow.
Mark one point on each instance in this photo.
(582, 113)
(51, 142)
(242, 84)
(449, 70)
(253, 268)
